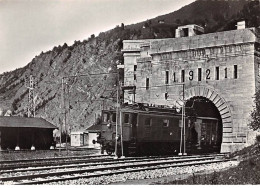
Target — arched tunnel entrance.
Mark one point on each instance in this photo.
(204, 127)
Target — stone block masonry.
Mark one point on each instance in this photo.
(223, 67)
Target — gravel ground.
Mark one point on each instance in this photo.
(151, 176)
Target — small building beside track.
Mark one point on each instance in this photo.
(78, 138)
(25, 133)
(85, 138)
(92, 134)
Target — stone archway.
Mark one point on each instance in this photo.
(217, 100)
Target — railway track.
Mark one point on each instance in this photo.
(50, 159)
(54, 161)
(9, 165)
(90, 163)
(50, 173)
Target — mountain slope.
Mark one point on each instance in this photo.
(49, 68)
(206, 13)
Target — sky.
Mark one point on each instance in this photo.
(28, 27)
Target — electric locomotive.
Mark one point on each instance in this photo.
(153, 131)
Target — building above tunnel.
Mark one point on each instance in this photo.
(223, 67)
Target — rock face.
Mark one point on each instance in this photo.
(81, 94)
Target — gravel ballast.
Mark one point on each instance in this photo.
(127, 178)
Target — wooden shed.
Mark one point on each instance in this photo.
(92, 134)
(78, 138)
(23, 133)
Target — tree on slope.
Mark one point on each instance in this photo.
(255, 114)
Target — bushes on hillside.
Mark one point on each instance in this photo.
(255, 114)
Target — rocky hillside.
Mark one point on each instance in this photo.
(84, 95)
(81, 94)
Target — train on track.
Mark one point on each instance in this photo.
(153, 131)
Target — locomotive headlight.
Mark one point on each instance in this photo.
(170, 133)
(109, 125)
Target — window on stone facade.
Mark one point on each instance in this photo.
(185, 32)
(166, 96)
(147, 83)
(199, 74)
(235, 71)
(166, 77)
(134, 76)
(182, 75)
(225, 72)
(217, 73)
(135, 67)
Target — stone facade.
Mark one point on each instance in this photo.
(223, 67)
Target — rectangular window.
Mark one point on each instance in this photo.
(135, 67)
(114, 117)
(126, 118)
(148, 122)
(174, 77)
(166, 96)
(185, 32)
(134, 76)
(217, 73)
(165, 123)
(199, 74)
(225, 72)
(182, 75)
(147, 83)
(166, 77)
(106, 117)
(235, 71)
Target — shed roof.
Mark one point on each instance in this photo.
(77, 132)
(16, 121)
(94, 128)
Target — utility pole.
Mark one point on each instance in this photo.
(118, 117)
(121, 127)
(184, 132)
(30, 84)
(69, 122)
(182, 116)
(117, 110)
(119, 113)
(62, 107)
(183, 125)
